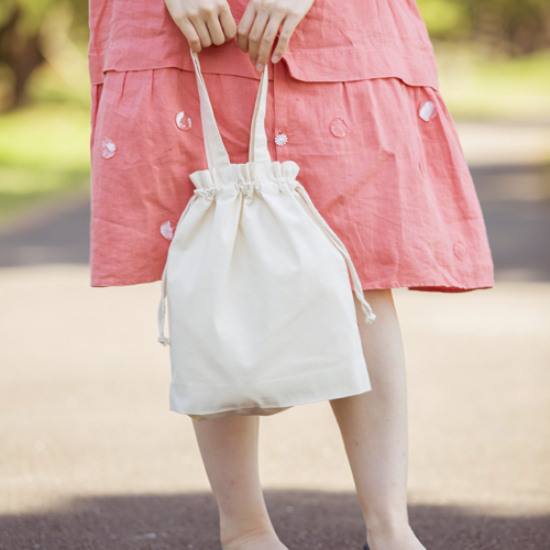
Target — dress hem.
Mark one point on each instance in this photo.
(420, 286)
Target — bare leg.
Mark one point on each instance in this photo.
(229, 449)
(374, 430)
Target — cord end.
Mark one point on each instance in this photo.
(164, 341)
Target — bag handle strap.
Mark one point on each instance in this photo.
(258, 151)
(216, 153)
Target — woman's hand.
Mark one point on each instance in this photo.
(203, 22)
(259, 25)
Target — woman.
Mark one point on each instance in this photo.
(353, 99)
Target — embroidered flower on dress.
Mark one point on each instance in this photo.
(281, 139)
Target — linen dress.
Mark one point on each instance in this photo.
(354, 102)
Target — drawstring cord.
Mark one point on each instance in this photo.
(249, 189)
(369, 315)
(161, 314)
(162, 311)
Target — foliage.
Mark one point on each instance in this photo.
(31, 33)
(53, 32)
(514, 27)
(44, 144)
(445, 19)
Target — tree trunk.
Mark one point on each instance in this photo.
(21, 53)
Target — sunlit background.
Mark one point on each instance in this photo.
(493, 58)
(90, 455)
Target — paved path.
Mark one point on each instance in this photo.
(91, 457)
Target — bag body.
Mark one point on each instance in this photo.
(260, 306)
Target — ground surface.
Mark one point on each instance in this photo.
(91, 457)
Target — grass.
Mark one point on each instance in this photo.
(29, 187)
(474, 86)
(44, 152)
(44, 147)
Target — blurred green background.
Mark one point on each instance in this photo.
(493, 58)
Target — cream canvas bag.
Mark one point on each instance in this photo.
(260, 305)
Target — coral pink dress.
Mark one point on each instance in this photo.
(356, 93)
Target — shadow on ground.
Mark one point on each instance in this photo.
(334, 521)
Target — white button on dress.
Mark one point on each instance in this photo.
(338, 128)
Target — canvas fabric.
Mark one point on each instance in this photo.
(259, 290)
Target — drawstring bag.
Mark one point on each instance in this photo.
(260, 305)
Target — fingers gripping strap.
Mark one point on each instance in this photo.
(216, 154)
